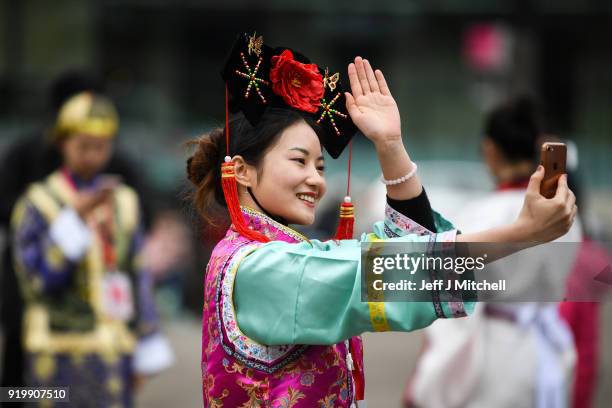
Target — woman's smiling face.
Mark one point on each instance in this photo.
(290, 181)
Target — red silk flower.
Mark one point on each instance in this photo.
(300, 85)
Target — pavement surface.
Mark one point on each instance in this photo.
(389, 360)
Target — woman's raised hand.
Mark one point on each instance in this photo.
(371, 106)
(543, 219)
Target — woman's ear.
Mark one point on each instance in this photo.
(245, 173)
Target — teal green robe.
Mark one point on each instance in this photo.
(310, 292)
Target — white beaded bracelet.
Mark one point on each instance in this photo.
(401, 179)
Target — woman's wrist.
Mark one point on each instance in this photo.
(389, 147)
(514, 233)
(521, 232)
(395, 163)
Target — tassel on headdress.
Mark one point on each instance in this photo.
(347, 209)
(347, 220)
(230, 190)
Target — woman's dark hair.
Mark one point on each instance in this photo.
(515, 128)
(250, 142)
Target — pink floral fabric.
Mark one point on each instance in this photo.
(237, 371)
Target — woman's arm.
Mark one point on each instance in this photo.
(311, 293)
(374, 111)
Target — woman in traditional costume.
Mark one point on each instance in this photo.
(282, 313)
(510, 353)
(89, 323)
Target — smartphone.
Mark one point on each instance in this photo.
(552, 157)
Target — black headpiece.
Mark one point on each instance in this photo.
(259, 77)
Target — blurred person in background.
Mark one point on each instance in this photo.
(89, 318)
(586, 287)
(507, 354)
(31, 158)
(168, 255)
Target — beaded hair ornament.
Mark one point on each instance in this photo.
(258, 77)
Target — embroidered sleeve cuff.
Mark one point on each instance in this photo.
(417, 208)
(152, 355)
(397, 224)
(70, 234)
(455, 302)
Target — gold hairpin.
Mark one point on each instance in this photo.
(330, 81)
(255, 44)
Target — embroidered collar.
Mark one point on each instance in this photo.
(269, 227)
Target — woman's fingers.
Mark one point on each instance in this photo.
(535, 180)
(361, 74)
(382, 84)
(351, 107)
(562, 188)
(370, 75)
(573, 213)
(571, 199)
(364, 79)
(354, 81)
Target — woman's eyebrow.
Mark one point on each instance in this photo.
(299, 149)
(306, 152)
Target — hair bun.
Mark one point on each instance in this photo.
(191, 171)
(206, 158)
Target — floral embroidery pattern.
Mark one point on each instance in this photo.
(248, 351)
(257, 391)
(242, 373)
(328, 401)
(307, 379)
(397, 220)
(217, 402)
(289, 400)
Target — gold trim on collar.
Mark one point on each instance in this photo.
(289, 231)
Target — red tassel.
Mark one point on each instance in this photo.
(230, 191)
(347, 220)
(347, 210)
(357, 371)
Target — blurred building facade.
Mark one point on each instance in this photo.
(447, 62)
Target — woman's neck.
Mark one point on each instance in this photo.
(248, 199)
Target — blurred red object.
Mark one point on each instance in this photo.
(487, 47)
(583, 317)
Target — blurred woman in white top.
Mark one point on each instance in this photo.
(508, 354)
